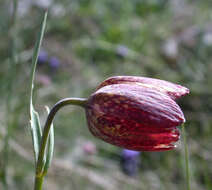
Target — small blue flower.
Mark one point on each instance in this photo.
(42, 57)
(130, 161)
(54, 62)
(122, 50)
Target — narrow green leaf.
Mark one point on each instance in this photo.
(50, 148)
(35, 131)
(36, 53)
(34, 117)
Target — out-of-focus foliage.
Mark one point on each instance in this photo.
(85, 42)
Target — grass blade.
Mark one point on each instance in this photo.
(36, 53)
(34, 117)
(35, 131)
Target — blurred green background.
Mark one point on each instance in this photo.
(85, 42)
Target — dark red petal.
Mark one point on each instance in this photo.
(173, 90)
(135, 103)
(146, 141)
(150, 139)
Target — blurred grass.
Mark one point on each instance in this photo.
(9, 95)
(94, 40)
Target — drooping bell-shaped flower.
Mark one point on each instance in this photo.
(136, 113)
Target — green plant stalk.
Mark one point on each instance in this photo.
(186, 158)
(40, 162)
(38, 183)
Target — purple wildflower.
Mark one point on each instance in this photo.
(54, 63)
(122, 50)
(130, 161)
(43, 57)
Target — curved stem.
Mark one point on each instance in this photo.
(39, 166)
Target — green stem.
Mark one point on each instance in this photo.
(38, 183)
(40, 162)
(186, 158)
